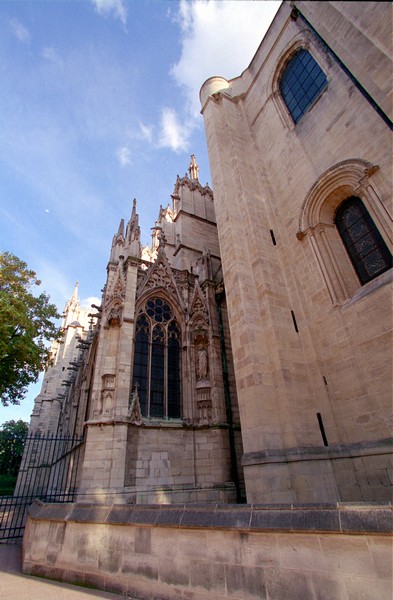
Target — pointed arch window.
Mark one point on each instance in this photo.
(302, 81)
(365, 246)
(157, 360)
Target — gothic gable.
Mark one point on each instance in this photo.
(159, 276)
(199, 314)
(115, 295)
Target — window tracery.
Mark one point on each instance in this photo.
(157, 360)
(318, 224)
(362, 240)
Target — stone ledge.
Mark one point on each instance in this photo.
(342, 518)
(307, 453)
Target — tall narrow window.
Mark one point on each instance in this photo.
(173, 369)
(141, 360)
(366, 248)
(301, 83)
(157, 360)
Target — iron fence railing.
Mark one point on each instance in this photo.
(48, 471)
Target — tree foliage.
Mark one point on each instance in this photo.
(26, 327)
(12, 439)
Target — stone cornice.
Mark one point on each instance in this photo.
(338, 518)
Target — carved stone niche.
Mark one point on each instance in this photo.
(201, 356)
(106, 400)
(115, 316)
(204, 405)
(203, 386)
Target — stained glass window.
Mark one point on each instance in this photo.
(157, 360)
(366, 248)
(301, 83)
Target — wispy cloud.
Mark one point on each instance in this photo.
(87, 302)
(174, 135)
(51, 55)
(146, 132)
(116, 8)
(20, 31)
(124, 156)
(209, 32)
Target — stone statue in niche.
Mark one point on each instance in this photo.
(202, 364)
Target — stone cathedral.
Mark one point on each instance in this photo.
(148, 375)
(245, 356)
(234, 386)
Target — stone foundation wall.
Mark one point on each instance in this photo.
(361, 472)
(296, 552)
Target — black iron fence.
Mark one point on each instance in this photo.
(48, 470)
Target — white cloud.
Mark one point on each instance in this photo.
(50, 54)
(218, 38)
(146, 132)
(124, 156)
(115, 7)
(20, 31)
(173, 135)
(87, 302)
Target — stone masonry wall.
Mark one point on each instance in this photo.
(208, 553)
(305, 352)
(172, 464)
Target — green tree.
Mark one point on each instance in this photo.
(12, 439)
(26, 326)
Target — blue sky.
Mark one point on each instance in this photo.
(98, 105)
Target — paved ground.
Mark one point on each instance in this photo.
(16, 586)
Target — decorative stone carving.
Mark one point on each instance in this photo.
(134, 409)
(202, 366)
(116, 291)
(106, 399)
(204, 405)
(159, 276)
(115, 316)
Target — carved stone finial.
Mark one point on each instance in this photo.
(193, 169)
(161, 238)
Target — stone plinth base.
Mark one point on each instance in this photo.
(242, 552)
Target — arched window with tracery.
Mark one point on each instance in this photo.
(365, 246)
(348, 228)
(301, 82)
(157, 360)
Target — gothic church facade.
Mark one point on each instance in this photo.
(151, 381)
(246, 355)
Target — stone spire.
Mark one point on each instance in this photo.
(121, 229)
(133, 213)
(72, 308)
(133, 229)
(193, 169)
(74, 297)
